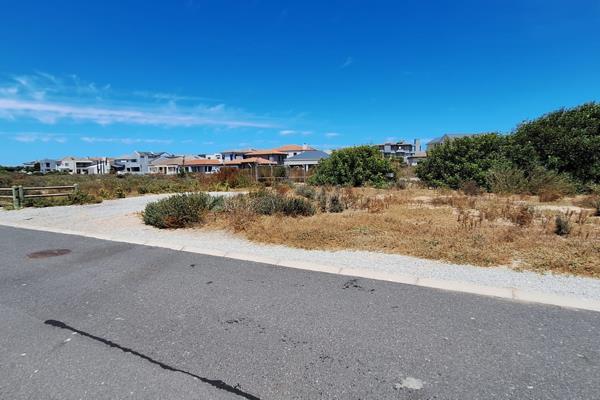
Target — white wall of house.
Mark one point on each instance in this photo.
(84, 166)
(205, 169)
(164, 169)
(48, 165)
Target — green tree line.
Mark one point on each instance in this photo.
(559, 151)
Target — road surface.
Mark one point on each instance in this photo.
(92, 319)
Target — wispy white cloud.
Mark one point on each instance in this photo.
(39, 138)
(348, 62)
(124, 140)
(291, 132)
(332, 134)
(51, 112)
(50, 99)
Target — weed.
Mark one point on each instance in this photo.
(322, 200)
(470, 188)
(335, 204)
(562, 224)
(306, 192)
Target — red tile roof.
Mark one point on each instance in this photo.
(252, 160)
(293, 147)
(202, 161)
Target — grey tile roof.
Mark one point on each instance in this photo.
(309, 155)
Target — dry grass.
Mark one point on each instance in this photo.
(483, 230)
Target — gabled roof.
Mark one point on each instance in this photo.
(309, 155)
(167, 161)
(265, 153)
(293, 147)
(76, 159)
(251, 160)
(202, 161)
(243, 151)
(151, 153)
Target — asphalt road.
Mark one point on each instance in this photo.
(110, 320)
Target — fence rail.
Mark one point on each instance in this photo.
(19, 193)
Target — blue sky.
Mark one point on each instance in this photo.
(196, 76)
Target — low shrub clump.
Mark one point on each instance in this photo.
(296, 206)
(562, 225)
(306, 192)
(268, 203)
(180, 211)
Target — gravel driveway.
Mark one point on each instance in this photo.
(119, 221)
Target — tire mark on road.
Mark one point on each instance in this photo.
(213, 382)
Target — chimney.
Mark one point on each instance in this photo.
(417, 145)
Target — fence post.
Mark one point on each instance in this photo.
(21, 196)
(76, 188)
(15, 196)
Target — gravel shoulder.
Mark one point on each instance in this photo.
(119, 220)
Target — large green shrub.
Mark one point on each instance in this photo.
(506, 178)
(353, 166)
(566, 141)
(464, 159)
(178, 211)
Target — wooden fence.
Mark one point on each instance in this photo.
(18, 194)
(275, 174)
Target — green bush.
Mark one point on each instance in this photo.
(179, 211)
(565, 141)
(79, 197)
(550, 185)
(306, 192)
(353, 166)
(296, 206)
(505, 178)
(454, 162)
(266, 203)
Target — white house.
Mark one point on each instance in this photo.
(48, 165)
(136, 163)
(84, 166)
(400, 150)
(202, 165)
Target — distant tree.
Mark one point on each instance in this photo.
(466, 159)
(353, 166)
(566, 141)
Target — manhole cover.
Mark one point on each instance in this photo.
(49, 253)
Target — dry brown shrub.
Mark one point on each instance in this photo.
(282, 189)
(549, 195)
(489, 231)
